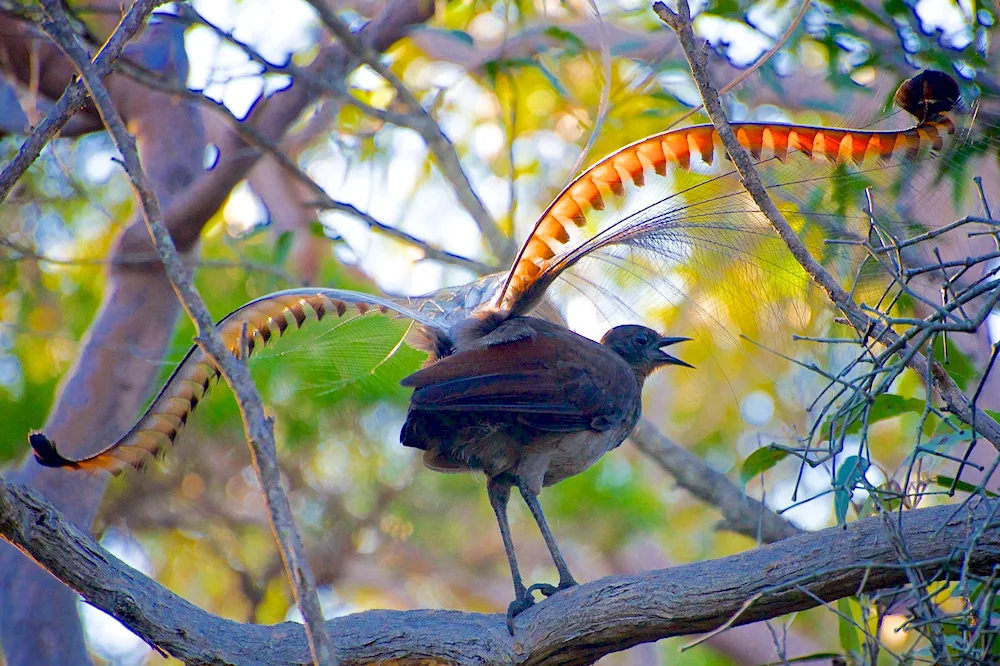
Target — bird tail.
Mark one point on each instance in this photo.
(556, 242)
(248, 328)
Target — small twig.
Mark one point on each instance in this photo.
(420, 120)
(430, 252)
(725, 625)
(74, 95)
(258, 428)
(958, 403)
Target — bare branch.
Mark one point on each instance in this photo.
(742, 513)
(74, 96)
(420, 120)
(259, 432)
(270, 117)
(430, 252)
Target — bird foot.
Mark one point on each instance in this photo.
(548, 590)
(517, 607)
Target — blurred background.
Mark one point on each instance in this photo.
(517, 88)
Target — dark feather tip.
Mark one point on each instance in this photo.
(45, 451)
(928, 95)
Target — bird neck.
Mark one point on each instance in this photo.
(642, 371)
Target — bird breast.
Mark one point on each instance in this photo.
(575, 453)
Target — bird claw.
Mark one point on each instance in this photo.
(547, 590)
(517, 607)
(526, 601)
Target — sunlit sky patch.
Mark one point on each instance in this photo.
(106, 635)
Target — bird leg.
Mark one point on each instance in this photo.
(565, 577)
(498, 490)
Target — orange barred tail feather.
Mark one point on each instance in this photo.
(160, 424)
(556, 240)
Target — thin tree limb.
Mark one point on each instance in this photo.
(74, 95)
(420, 120)
(259, 432)
(270, 117)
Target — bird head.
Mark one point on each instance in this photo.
(642, 348)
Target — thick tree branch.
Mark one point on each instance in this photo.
(259, 432)
(576, 626)
(742, 513)
(958, 403)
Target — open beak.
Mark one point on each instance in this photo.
(665, 358)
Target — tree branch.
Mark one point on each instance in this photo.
(742, 513)
(270, 117)
(576, 626)
(74, 95)
(420, 120)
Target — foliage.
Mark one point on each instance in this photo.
(381, 531)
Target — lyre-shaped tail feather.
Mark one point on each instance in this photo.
(555, 243)
(265, 318)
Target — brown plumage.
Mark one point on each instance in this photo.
(529, 404)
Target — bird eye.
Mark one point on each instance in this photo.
(642, 339)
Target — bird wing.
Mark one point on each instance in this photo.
(552, 380)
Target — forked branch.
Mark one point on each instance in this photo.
(866, 326)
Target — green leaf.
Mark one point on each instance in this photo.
(964, 486)
(886, 406)
(890, 405)
(282, 247)
(868, 508)
(319, 230)
(552, 79)
(460, 35)
(850, 473)
(760, 461)
(848, 626)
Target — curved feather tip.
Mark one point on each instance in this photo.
(45, 451)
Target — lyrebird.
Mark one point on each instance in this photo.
(527, 401)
